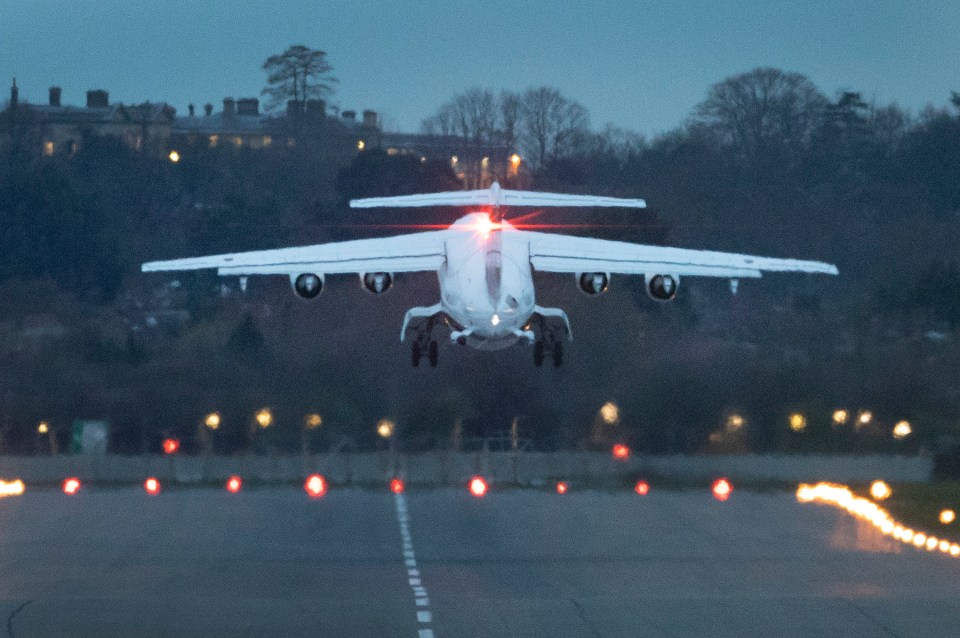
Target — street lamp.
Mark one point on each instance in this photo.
(264, 418)
(610, 413)
(385, 428)
(313, 421)
(902, 430)
(212, 420)
(43, 427)
(798, 422)
(840, 416)
(174, 157)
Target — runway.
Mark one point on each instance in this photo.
(438, 562)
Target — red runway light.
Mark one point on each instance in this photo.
(478, 486)
(152, 486)
(234, 483)
(170, 446)
(722, 488)
(562, 487)
(316, 485)
(621, 452)
(71, 486)
(397, 486)
(642, 488)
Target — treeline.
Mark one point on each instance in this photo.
(766, 163)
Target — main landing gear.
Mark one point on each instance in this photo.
(433, 353)
(555, 350)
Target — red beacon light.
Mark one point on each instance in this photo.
(478, 486)
(621, 452)
(171, 446)
(152, 486)
(397, 486)
(642, 488)
(71, 486)
(722, 489)
(234, 483)
(316, 485)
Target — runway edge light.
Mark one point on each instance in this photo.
(397, 486)
(642, 488)
(152, 486)
(71, 485)
(234, 483)
(478, 486)
(316, 485)
(722, 489)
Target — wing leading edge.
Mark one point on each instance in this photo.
(403, 253)
(563, 253)
(495, 196)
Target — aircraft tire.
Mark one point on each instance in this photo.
(538, 354)
(415, 354)
(557, 354)
(434, 354)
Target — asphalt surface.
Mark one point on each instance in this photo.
(272, 562)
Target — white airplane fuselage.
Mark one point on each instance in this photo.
(486, 283)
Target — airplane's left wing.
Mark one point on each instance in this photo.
(563, 253)
(403, 253)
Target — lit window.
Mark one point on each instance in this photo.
(454, 160)
(392, 151)
(214, 140)
(48, 148)
(237, 141)
(291, 142)
(361, 145)
(267, 140)
(485, 162)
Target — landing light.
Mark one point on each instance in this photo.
(478, 486)
(71, 486)
(722, 489)
(152, 486)
(485, 225)
(397, 486)
(495, 319)
(642, 488)
(316, 485)
(234, 483)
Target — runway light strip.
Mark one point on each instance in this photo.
(420, 597)
(840, 496)
(11, 488)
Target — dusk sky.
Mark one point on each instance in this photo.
(640, 65)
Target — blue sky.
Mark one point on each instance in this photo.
(640, 65)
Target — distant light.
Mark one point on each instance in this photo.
(11, 488)
(722, 489)
(361, 145)
(71, 486)
(170, 446)
(864, 417)
(621, 452)
(315, 485)
(397, 486)
(234, 483)
(798, 422)
(515, 159)
(454, 160)
(902, 430)
(478, 486)
(642, 488)
(562, 487)
(264, 418)
(313, 421)
(385, 428)
(735, 422)
(840, 416)
(495, 319)
(212, 420)
(43, 427)
(152, 486)
(610, 412)
(947, 516)
(174, 156)
(880, 490)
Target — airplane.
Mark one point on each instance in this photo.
(485, 266)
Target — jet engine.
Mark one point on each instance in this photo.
(307, 285)
(662, 287)
(593, 283)
(377, 282)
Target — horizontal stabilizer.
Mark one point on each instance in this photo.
(496, 197)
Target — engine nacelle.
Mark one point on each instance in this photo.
(377, 283)
(593, 283)
(307, 285)
(662, 287)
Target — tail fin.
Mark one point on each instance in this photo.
(496, 197)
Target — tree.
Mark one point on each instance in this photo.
(299, 74)
(552, 124)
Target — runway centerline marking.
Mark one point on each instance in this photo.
(420, 597)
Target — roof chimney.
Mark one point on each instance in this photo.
(370, 119)
(229, 106)
(55, 96)
(98, 99)
(316, 108)
(350, 116)
(208, 109)
(294, 108)
(190, 108)
(248, 106)
(14, 93)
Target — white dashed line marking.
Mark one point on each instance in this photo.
(420, 597)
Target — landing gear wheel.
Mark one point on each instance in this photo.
(557, 354)
(538, 354)
(415, 354)
(433, 353)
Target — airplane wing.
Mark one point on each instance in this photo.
(495, 196)
(563, 253)
(403, 253)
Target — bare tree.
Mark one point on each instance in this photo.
(761, 109)
(552, 124)
(299, 73)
